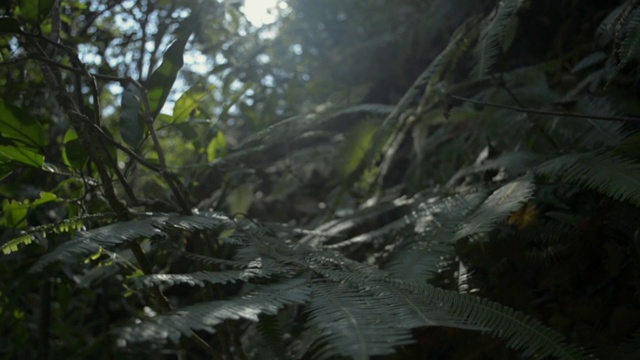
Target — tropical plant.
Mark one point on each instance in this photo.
(290, 208)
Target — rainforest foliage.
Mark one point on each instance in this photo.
(388, 179)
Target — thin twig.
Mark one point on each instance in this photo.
(545, 112)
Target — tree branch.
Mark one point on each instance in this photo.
(545, 112)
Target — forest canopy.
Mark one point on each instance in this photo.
(387, 179)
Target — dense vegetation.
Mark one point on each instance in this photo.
(395, 179)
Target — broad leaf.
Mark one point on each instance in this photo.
(217, 146)
(21, 154)
(161, 81)
(187, 104)
(72, 153)
(131, 121)
(16, 124)
(36, 11)
(14, 214)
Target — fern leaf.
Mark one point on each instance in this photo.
(110, 236)
(205, 220)
(269, 328)
(521, 332)
(295, 126)
(268, 299)
(12, 245)
(352, 323)
(605, 172)
(198, 278)
(497, 206)
(434, 223)
(630, 45)
(91, 241)
(67, 225)
(493, 35)
(606, 30)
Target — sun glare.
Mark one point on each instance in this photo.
(262, 12)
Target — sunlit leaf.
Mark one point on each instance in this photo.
(239, 199)
(216, 147)
(14, 214)
(356, 146)
(187, 104)
(161, 81)
(36, 11)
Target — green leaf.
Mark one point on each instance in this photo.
(15, 214)
(356, 146)
(187, 129)
(187, 104)
(131, 122)
(44, 198)
(21, 154)
(217, 146)
(9, 25)
(72, 153)
(16, 124)
(161, 81)
(239, 200)
(36, 11)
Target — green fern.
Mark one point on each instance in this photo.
(605, 33)
(630, 44)
(353, 323)
(424, 253)
(267, 299)
(521, 332)
(497, 206)
(65, 226)
(603, 171)
(492, 38)
(111, 236)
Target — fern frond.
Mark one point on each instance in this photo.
(353, 323)
(521, 332)
(111, 236)
(492, 38)
(89, 242)
(605, 172)
(65, 226)
(514, 163)
(208, 260)
(206, 220)
(497, 206)
(434, 224)
(268, 299)
(269, 328)
(605, 32)
(295, 126)
(12, 245)
(199, 278)
(630, 45)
